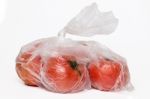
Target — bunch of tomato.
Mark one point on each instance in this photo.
(66, 73)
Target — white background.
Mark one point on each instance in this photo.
(22, 21)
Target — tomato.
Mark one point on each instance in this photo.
(28, 66)
(64, 74)
(28, 70)
(105, 75)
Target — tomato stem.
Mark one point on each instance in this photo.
(74, 66)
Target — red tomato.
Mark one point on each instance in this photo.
(105, 74)
(64, 74)
(28, 70)
(28, 67)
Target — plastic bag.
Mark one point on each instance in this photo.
(63, 65)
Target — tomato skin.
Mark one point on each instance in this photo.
(59, 76)
(104, 75)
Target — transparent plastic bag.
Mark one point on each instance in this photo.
(63, 65)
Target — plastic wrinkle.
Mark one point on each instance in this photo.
(90, 21)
